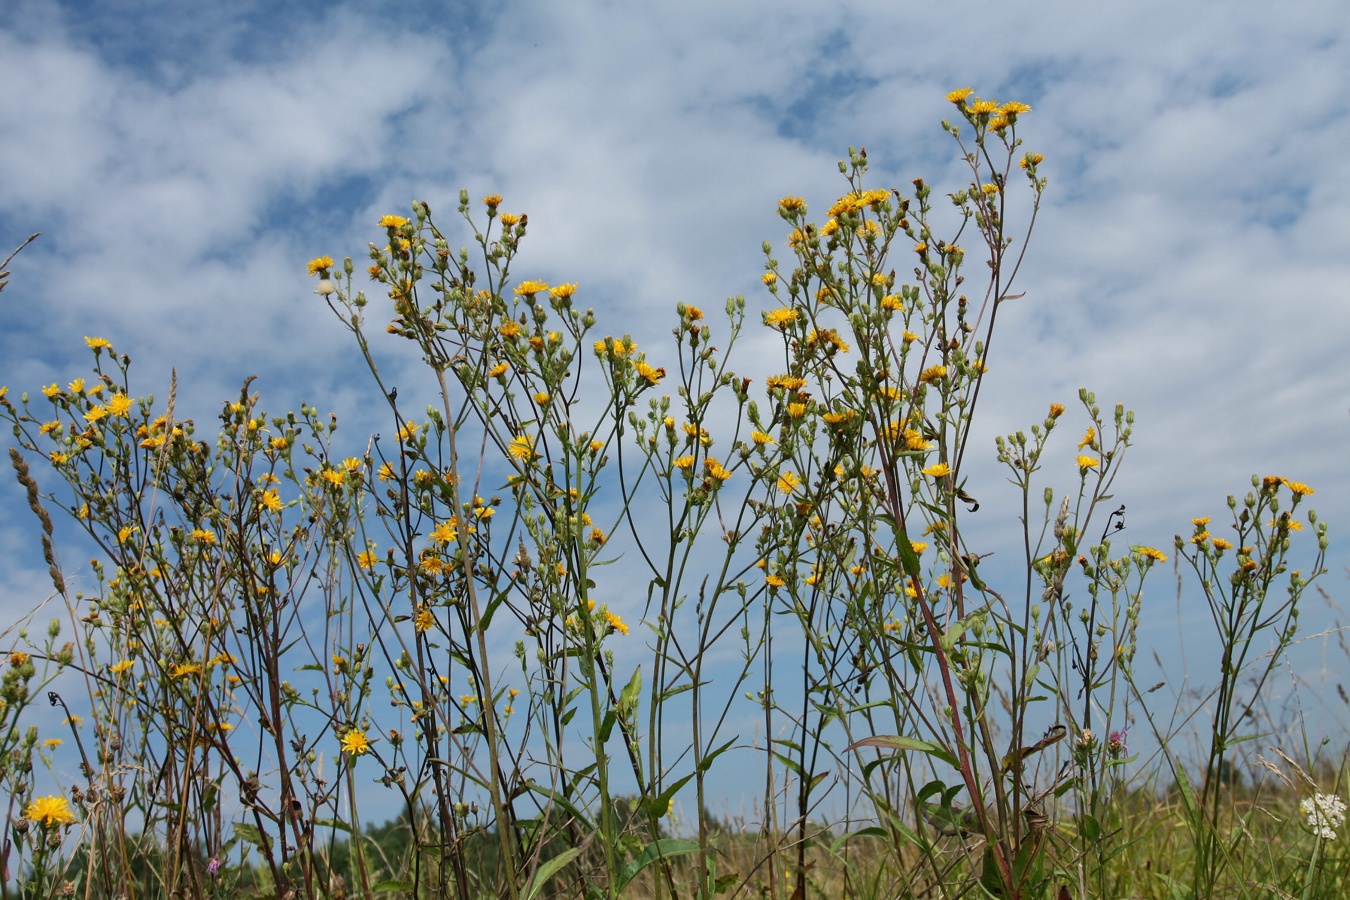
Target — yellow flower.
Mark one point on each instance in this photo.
(367, 559)
(320, 264)
(391, 222)
(891, 302)
(498, 369)
(959, 95)
(616, 623)
(1221, 544)
(780, 317)
(914, 440)
(684, 462)
(510, 219)
(937, 470)
(1087, 462)
(355, 742)
(203, 536)
(788, 482)
(761, 438)
(271, 499)
(774, 580)
(119, 405)
(181, 670)
(792, 204)
(408, 431)
(1013, 108)
(715, 469)
(1150, 553)
(521, 447)
(49, 812)
(1200, 537)
(424, 620)
(492, 201)
(509, 328)
(97, 343)
(769, 278)
(1056, 410)
(445, 532)
(530, 287)
(653, 376)
(1031, 159)
(1298, 487)
(118, 668)
(1089, 437)
(932, 373)
(983, 107)
(562, 291)
(52, 743)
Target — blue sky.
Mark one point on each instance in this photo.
(1191, 260)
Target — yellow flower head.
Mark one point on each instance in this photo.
(788, 482)
(1031, 159)
(392, 222)
(1087, 462)
(937, 470)
(780, 317)
(716, 469)
(530, 287)
(98, 343)
(959, 95)
(562, 291)
(320, 264)
(49, 812)
(932, 373)
(521, 447)
(424, 621)
(355, 742)
(652, 376)
(1298, 488)
(492, 201)
(792, 204)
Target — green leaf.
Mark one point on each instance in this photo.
(908, 558)
(900, 742)
(708, 760)
(628, 698)
(665, 848)
(549, 869)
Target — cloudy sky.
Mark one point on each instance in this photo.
(184, 167)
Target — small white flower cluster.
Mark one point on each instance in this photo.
(1325, 813)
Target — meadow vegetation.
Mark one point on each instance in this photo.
(512, 647)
